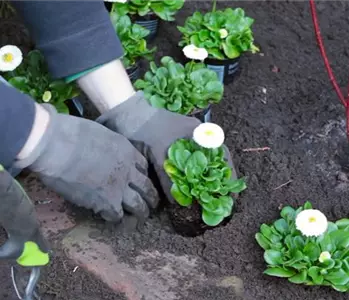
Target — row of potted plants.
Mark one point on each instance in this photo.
(221, 36)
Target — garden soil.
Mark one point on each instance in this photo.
(282, 100)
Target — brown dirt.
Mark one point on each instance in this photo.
(299, 118)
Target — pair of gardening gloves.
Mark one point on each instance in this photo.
(103, 165)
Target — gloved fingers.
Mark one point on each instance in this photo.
(112, 215)
(145, 188)
(134, 204)
(141, 162)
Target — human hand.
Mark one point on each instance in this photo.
(93, 167)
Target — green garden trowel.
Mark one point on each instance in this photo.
(25, 244)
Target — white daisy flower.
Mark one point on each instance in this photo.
(46, 97)
(209, 135)
(324, 256)
(311, 222)
(193, 52)
(223, 33)
(10, 58)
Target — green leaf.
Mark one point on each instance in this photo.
(307, 205)
(211, 219)
(157, 102)
(62, 108)
(236, 186)
(288, 213)
(231, 51)
(172, 171)
(273, 257)
(328, 264)
(262, 241)
(338, 277)
(312, 250)
(314, 273)
(196, 164)
(340, 238)
(299, 242)
(299, 278)
(279, 272)
(281, 226)
(180, 197)
(325, 242)
(20, 83)
(266, 231)
(340, 288)
(342, 223)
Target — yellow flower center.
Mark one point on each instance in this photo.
(8, 57)
(196, 49)
(312, 220)
(209, 132)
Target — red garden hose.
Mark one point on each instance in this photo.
(333, 80)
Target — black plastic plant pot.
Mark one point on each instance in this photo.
(226, 69)
(204, 115)
(149, 21)
(187, 221)
(75, 107)
(108, 5)
(133, 72)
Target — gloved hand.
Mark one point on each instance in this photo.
(26, 244)
(92, 167)
(150, 129)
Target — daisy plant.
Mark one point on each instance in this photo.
(32, 78)
(132, 37)
(164, 9)
(304, 247)
(225, 34)
(200, 173)
(180, 89)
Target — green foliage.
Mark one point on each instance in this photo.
(132, 37)
(204, 31)
(164, 9)
(178, 88)
(291, 255)
(202, 175)
(32, 78)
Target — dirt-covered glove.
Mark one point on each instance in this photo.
(93, 167)
(150, 129)
(26, 243)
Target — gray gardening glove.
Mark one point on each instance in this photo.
(93, 167)
(150, 129)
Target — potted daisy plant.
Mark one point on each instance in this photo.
(304, 247)
(202, 181)
(30, 75)
(147, 13)
(132, 37)
(224, 34)
(188, 89)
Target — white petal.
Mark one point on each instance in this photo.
(17, 58)
(311, 228)
(193, 52)
(213, 140)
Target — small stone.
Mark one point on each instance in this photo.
(261, 54)
(235, 282)
(264, 90)
(342, 177)
(275, 69)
